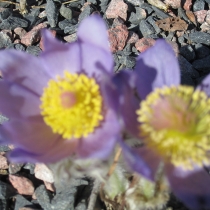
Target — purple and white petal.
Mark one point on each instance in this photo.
(205, 86)
(141, 160)
(156, 67)
(192, 188)
(101, 142)
(24, 69)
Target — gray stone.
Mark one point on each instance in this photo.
(66, 12)
(33, 50)
(13, 22)
(52, 13)
(145, 28)
(5, 40)
(200, 37)
(198, 5)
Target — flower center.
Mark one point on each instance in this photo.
(72, 106)
(175, 121)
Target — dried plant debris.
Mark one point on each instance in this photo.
(172, 24)
(159, 4)
(191, 17)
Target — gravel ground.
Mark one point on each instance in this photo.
(133, 26)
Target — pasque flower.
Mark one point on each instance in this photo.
(56, 102)
(172, 121)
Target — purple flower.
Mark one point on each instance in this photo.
(56, 103)
(172, 121)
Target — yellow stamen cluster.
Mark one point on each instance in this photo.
(72, 105)
(175, 121)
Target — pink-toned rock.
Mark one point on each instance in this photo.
(33, 36)
(42, 172)
(70, 38)
(23, 185)
(132, 37)
(49, 186)
(187, 4)
(200, 16)
(53, 32)
(117, 37)
(20, 32)
(180, 33)
(117, 8)
(85, 5)
(208, 17)
(173, 3)
(3, 162)
(17, 41)
(144, 43)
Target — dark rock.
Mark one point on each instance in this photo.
(13, 22)
(30, 167)
(187, 68)
(5, 14)
(43, 197)
(32, 17)
(19, 47)
(181, 14)
(5, 40)
(70, 29)
(117, 63)
(3, 204)
(21, 202)
(160, 13)
(52, 13)
(145, 28)
(136, 17)
(200, 37)
(92, 1)
(85, 13)
(198, 5)
(201, 51)
(187, 80)
(15, 167)
(202, 64)
(66, 12)
(6, 191)
(152, 20)
(4, 148)
(128, 61)
(127, 50)
(103, 5)
(66, 23)
(188, 52)
(33, 50)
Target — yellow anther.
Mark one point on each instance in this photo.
(175, 122)
(72, 105)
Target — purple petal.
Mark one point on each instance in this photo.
(192, 188)
(156, 67)
(205, 85)
(50, 43)
(31, 134)
(95, 60)
(61, 149)
(65, 58)
(21, 68)
(18, 101)
(101, 142)
(125, 82)
(141, 160)
(93, 30)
